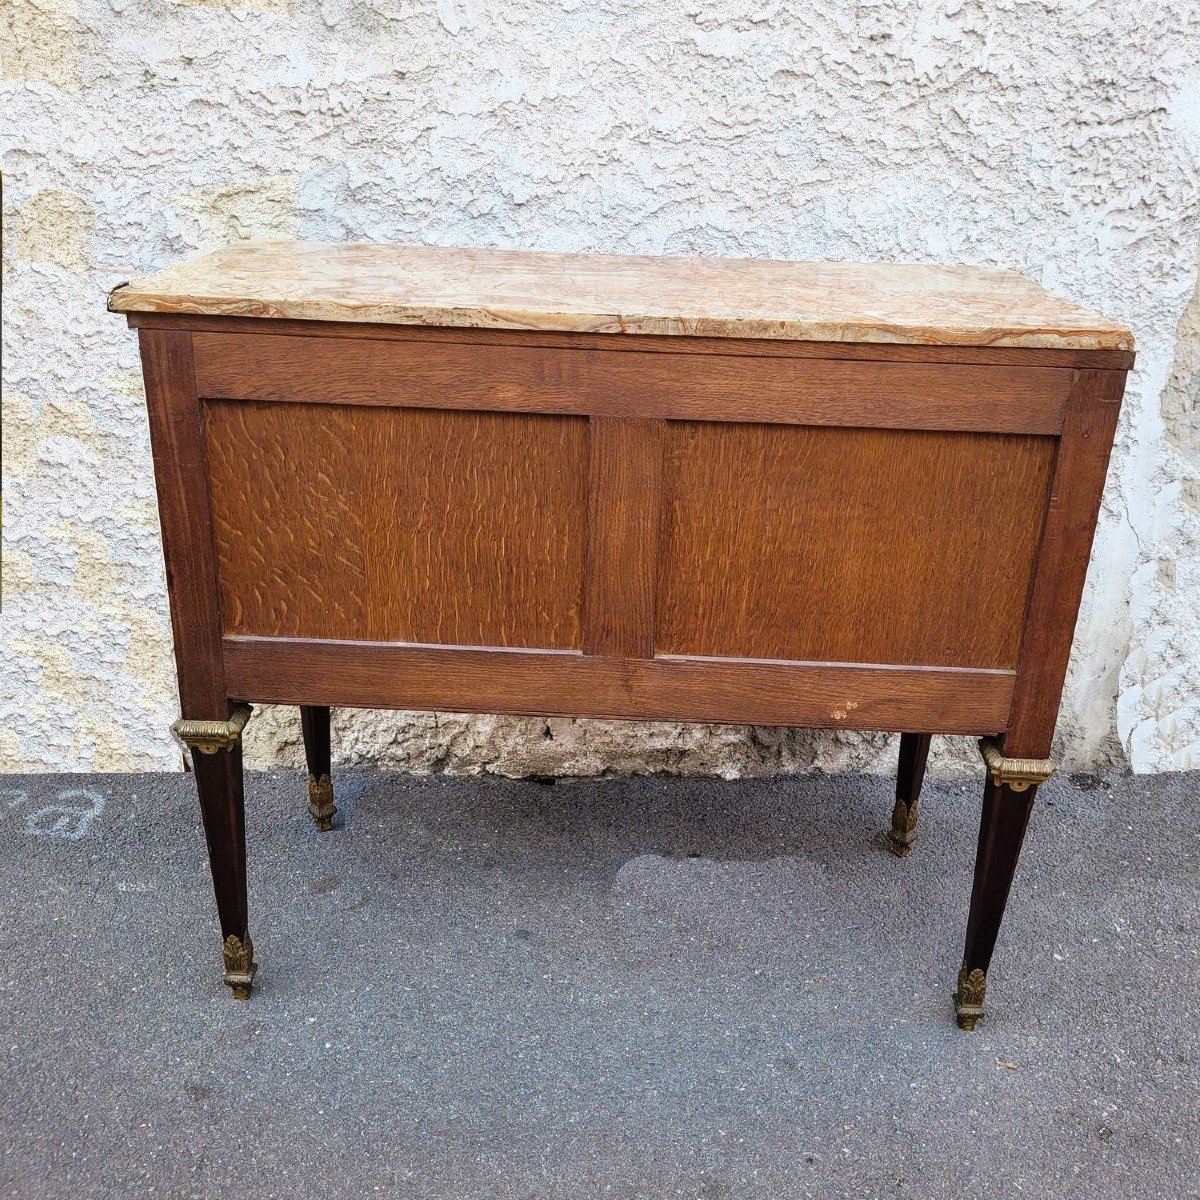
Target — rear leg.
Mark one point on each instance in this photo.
(914, 752)
(315, 723)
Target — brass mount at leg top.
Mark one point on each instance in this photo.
(210, 736)
(1018, 774)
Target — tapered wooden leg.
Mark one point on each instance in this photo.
(315, 723)
(1001, 832)
(212, 721)
(219, 783)
(914, 752)
(1008, 798)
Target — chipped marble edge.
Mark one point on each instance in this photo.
(124, 298)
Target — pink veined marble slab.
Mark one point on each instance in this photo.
(600, 293)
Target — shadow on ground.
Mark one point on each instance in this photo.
(647, 988)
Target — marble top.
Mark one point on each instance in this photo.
(601, 293)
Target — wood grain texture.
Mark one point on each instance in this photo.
(521, 378)
(292, 534)
(181, 477)
(624, 490)
(1080, 469)
(451, 679)
(1114, 360)
(398, 524)
(839, 545)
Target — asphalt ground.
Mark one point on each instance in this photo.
(614, 988)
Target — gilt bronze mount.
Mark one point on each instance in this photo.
(968, 997)
(320, 801)
(240, 967)
(904, 828)
(1019, 774)
(210, 736)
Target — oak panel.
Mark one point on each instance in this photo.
(524, 378)
(397, 524)
(448, 679)
(622, 543)
(848, 545)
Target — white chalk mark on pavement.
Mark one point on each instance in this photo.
(69, 817)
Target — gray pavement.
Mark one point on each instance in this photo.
(615, 988)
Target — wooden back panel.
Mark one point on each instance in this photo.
(425, 519)
(381, 519)
(848, 545)
(397, 524)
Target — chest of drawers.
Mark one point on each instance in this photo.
(830, 496)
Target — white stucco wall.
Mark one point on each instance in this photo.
(1059, 137)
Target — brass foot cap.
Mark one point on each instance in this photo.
(240, 967)
(320, 802)
(239, 991)
(904, 829)
(968, 998)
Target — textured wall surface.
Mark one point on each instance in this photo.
(1059, 137)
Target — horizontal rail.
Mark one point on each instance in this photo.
(531, 379)
(355, 674)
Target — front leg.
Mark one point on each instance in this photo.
(217, 764)
(314, 721)
(1008, 796)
